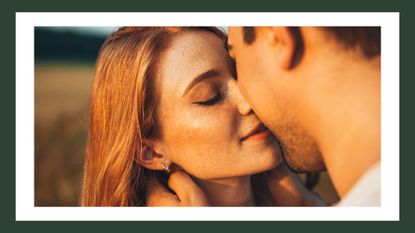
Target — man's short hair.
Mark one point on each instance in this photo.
(365, 38)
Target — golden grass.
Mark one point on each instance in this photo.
(61, 89)
(62, 94)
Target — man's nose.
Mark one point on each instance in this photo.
(243, 107)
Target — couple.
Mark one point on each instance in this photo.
(208, 110)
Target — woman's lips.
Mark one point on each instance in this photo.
(260, 135)
(258, 132)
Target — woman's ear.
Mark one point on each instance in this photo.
(150, 157)
(285, 42)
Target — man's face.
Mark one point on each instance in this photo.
(272, 94)
(253, 71)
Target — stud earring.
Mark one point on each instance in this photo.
(165, 167)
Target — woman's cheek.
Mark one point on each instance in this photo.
(201, 127)
(198, 144)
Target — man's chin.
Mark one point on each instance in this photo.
(305, 166)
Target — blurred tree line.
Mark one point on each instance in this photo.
(67, 45)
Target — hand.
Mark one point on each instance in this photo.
(287, 189)
(187, 192)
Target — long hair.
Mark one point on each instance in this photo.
(122, 114)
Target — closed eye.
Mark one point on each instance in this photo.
(211, 101)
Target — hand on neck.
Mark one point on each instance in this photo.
(228, 192)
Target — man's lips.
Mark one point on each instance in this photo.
(259, 130)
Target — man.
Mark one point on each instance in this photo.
(318, 90)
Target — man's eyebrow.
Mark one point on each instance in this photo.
(205, 75)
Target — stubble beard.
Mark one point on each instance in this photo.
(299, 149)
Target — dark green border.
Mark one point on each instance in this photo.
(7, 98)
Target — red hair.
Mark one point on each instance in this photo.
(122, 114)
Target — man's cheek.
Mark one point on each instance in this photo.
(245, 89)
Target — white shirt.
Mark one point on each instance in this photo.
(366, 191)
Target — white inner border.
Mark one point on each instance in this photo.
(25, 209)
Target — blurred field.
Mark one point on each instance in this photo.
(61, 89)
(62, 93)
(61, 117)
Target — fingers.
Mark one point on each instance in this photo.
(158, 195)
(187, 190)
(188, 193)
(280, 172)
(165, 199)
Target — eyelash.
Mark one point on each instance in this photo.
(211, 101)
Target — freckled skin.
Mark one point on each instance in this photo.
(205, 140)
(275, 100)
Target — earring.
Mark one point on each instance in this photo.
(165, 167)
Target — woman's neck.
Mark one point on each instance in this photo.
(228, 192)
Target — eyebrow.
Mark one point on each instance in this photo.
(205, 75)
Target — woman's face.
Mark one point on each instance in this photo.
(204, 125)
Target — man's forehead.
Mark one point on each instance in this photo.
(233, 37)
(233, 34)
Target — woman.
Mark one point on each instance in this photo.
(165, 97)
